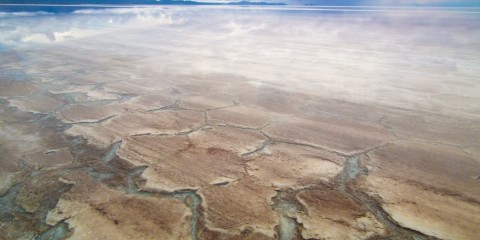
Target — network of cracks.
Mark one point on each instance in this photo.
(99, 155)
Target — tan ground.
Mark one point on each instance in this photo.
(331, 214)
(420, 185)
(97, 212)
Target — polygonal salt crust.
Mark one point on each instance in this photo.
(94, 211)
(342, 135)
(174, 163)
(239, 116)
(291, 166)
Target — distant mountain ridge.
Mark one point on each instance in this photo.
(45, 5)
(129, 2)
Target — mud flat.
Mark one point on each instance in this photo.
(343, 128)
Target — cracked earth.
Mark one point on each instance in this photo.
(139, 153)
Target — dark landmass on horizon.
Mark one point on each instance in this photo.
(128, 2)
(65, 8)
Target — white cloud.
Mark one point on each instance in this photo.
(41, 27)
(360, 57)
(418, 2)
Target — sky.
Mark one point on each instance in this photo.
(371, 2)
(448, 3)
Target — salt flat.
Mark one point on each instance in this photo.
(240, 123)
